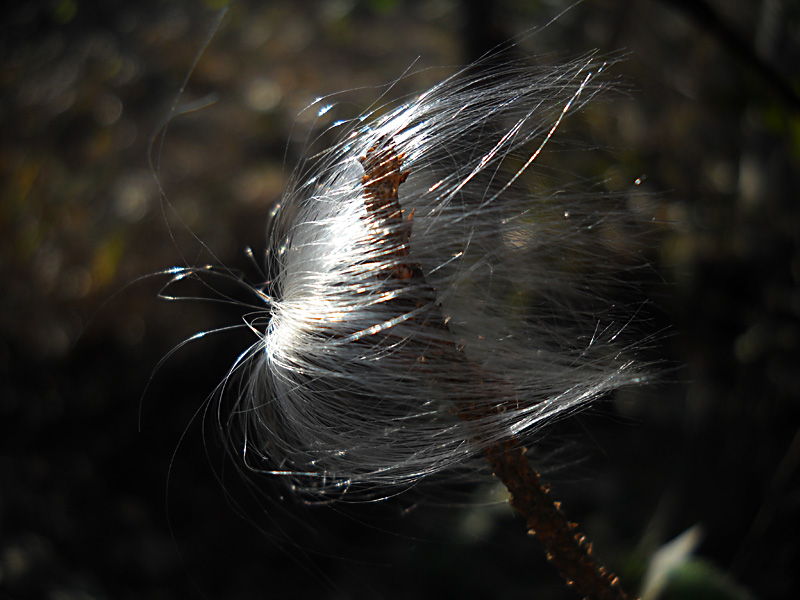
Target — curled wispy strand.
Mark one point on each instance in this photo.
(361, 382)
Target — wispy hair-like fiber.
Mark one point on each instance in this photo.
(401, 338)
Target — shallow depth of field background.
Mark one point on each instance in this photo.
(111, 491)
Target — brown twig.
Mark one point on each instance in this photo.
(567, 549)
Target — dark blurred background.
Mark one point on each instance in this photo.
(109, 488)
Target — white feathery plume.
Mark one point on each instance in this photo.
(426, 301)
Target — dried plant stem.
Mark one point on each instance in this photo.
(566, 548)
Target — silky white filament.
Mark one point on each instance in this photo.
(392, 346)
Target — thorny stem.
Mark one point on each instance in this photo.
(566, 548)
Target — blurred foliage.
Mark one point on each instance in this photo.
(87, 454)
(699, 580)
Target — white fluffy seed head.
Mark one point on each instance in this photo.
(363, 383)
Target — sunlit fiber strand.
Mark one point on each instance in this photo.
(358, 382)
